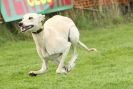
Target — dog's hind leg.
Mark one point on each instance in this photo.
(61, 68)
(73, 38)
(71, 63)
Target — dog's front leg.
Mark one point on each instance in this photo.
(43, 68)
(41, 71)
(61, 68)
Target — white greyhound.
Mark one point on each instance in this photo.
(53, 40)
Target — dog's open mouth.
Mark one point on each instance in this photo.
(25, 28)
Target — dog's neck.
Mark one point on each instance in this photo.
(38, 31)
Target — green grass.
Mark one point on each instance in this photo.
(110, 68)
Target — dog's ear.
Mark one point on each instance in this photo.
(42, 18)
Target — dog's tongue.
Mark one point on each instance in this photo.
(23, 29)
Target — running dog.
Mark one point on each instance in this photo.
(53, 39)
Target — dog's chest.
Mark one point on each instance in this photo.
(38, 40)
(40, 44)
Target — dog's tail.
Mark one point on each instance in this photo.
(85, 47)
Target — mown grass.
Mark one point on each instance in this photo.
(110, 68)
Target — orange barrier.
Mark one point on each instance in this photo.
(92, 3)
(83, 3)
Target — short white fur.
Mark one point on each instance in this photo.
(59, 34)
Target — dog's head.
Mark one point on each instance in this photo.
(31, 22)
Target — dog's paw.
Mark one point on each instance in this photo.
(32, 74)
(62, 71)
(94, 49)
(70, 67)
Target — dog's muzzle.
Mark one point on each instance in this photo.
(24, 28)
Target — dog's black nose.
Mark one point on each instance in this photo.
(20, 24)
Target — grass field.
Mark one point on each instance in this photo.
(110, 68)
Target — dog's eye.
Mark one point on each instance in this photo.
(30, 18)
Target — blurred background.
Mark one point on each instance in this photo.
(87, 15)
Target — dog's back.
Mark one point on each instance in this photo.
(60, 22)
